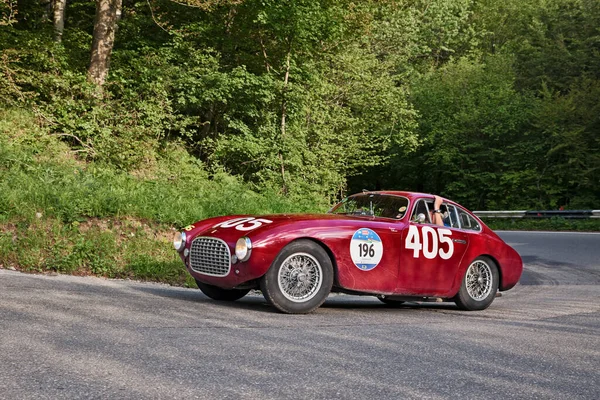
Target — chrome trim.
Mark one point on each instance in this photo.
(183, 236)
(210, 256)
(248, 248)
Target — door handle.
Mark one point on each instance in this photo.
(459, 241)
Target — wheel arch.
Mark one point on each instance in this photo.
(327, 250)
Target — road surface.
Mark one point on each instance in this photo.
(73, 337)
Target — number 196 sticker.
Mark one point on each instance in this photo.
(366, 249)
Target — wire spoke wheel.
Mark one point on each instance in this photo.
(300, 277)
(479, 285)
(479, 280)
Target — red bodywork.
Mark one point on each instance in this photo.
(401, 271)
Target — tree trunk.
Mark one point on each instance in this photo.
(58, 13)
(284, 115)
(105, 24)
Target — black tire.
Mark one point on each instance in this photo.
(216, 293)
(300, 278)
(479, 285)
(390, 302)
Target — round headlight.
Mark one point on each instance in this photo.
(179, 241)
(243, 248)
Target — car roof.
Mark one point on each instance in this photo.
(397, 193)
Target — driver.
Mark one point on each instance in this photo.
(437, 216)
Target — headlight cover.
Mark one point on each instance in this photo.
(243, 248)
(179, 241)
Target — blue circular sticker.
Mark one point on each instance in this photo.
(366, 249)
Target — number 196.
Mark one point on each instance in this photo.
(366, 250)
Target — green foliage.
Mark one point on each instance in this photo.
(8, 11)
(39, 175)
(490, 103)
(549, 224)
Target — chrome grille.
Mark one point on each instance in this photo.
(210, 256)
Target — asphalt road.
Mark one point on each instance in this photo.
(72, 337)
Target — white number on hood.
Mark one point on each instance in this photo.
(243, 223)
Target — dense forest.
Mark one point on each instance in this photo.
(495, 104)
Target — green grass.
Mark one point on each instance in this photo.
(38, 174)
(58, 213)
(124, 248)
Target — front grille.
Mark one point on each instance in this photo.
(210, 256)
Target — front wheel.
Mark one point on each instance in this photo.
(479, 285)
(299, 279)
(216, 293)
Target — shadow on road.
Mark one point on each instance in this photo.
(255, 302)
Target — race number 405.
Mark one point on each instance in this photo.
(431, 243)
(243, 223)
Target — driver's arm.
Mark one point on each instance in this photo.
(436, 216)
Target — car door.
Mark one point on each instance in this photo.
(430, 254)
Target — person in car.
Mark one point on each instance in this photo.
(437, 215)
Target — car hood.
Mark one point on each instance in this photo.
(235, 226)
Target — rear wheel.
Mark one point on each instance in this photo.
(299, 279)
(479, 285)
(216, 293)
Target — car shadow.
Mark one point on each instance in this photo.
(254, 301)
(250, 302)
(367, 302)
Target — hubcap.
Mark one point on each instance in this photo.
(300, 277)
(479, 280)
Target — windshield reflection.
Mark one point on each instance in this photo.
(373, 205)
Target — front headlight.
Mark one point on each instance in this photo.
(243, 248)
(179, 241)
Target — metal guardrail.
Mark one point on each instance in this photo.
(570, 214)
(500, 214)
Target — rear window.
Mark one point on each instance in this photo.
(467, 221)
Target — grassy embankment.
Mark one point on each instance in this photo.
(59, 214)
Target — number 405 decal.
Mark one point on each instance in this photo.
(431, 243)
(243, 223)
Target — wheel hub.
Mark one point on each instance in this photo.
(298, 276)
(301, 278)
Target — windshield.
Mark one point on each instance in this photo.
(373, 205)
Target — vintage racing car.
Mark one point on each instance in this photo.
(373, 243)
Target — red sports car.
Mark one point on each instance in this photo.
(374, 243)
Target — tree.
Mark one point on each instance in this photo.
(58, 17)
(108, 13)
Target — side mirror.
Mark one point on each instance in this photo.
(419, 218)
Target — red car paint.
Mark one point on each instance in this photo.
(401, 271)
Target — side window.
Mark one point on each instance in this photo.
(450, 216)
(468, 222)
(421, 208)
